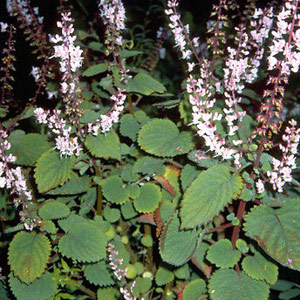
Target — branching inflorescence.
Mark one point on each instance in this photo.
(116, 266)
(241, 68)
(13, 179)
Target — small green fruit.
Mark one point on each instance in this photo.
(124, 239)
(131, 271)
(110, 233)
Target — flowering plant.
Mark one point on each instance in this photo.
(121, 179)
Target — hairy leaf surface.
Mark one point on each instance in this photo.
(223, 255)
(162, 138)
(226, 284)
(176, 245)
(104, 145)
(277, 231)
(28, 255)
(84, 242)
(52, 170)
(54, 210)
(42, 289)
(208, 194)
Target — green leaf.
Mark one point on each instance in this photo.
(94, 70)
(199, 255)
(208, 194)
(112, 215)
(163, 276)
(187, 175)
(76, 185)
(223, 255)
(142, 286)
(99, 274)
(144, 84)
(291, 294)
(183, 272)
(194, 290)
(177, 246)
(68, 223)
(129, 126)
(49, 227)
(83, 242)
(3, 292)
(260, 268)
(147, 165)
(226, 284)
(149, 198)
(128, 212)
(52, 170)
(104, 145)
(53, 209)
(277, 231)
(129, 53)
(28, 255)
(108, 294)
(42, 289)
(162, 138)
(114, 191)
(30, 148)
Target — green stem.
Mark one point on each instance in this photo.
(87, 291)
(147, 231)
(99, 210)
(131, 108)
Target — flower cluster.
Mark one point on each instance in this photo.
(13, 179)
(70, 60)
(7, 66)
(204, 118)
(180, 31)
(32, 22)
(113, 15)
(289, 48)
(64, 143)
(116, 266)
(106, 122)
(282, 170)
(22, 7)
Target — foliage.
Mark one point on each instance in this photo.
(144, 178)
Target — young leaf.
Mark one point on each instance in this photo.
(42, 289)
(28, 255)
(108, 294)
(162, 138)
(147, 165)
(95, 70)
(187, 175)
(75, 185)
(277, 231)
(194, 290)
(53, 209)
(208, 194)
(104, 145)
(163, 276)
(223, 255)
(149, 198)
(114, 191)
(142, 286)
(30, 148)
(226, 284)
(52, 170)
(99, 274)
(129, 126)
(176, 246)
(144, 84)
(84, 242)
